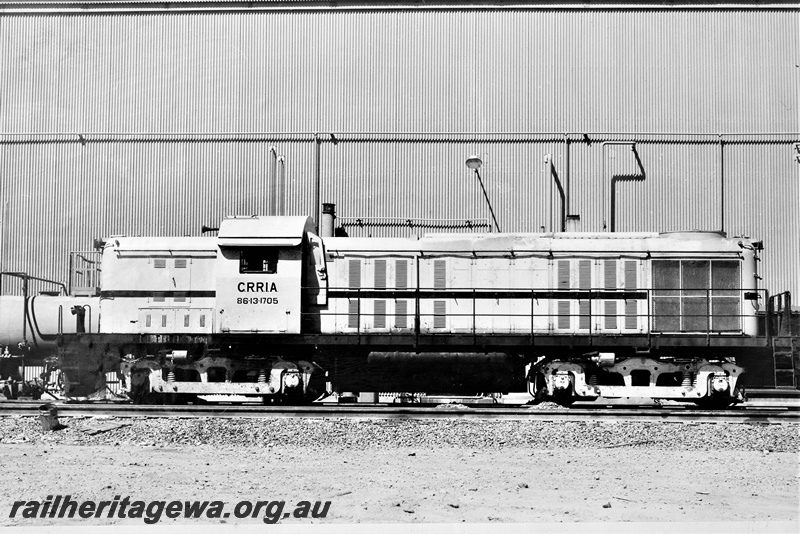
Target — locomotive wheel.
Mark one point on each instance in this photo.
(141, 393)
(539, 389)
(316, 388)
(10, 390)
(564, 398)
(140, 390)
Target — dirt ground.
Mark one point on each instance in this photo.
(419, 485)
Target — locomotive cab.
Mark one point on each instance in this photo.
(260, 272)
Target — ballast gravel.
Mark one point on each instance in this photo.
(369, 433)
(421, 471)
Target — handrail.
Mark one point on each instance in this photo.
(780, 311)
(647, 323)
(84, 271)
(25, 280)
(25, 277)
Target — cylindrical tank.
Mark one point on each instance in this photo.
(46, 317)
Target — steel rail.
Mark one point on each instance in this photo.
(85, 8)
(752, 415)
(308, 137)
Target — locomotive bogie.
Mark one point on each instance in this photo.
(278, 378)
(601, 375)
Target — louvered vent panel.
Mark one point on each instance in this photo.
(380, 274)
(563, 314)
(401, 274)
(354, 273)
(630, 275)
(352, 314)
(631, 269)
(439, 314)
(631, 320)
(610, 274)
(583, 310)
(180, 263)
(610, 314)
(585, 274)
(563, 274)
(400, 311)
(439, 274)
(160, 263)
(380, 314)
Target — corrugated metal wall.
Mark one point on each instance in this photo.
(459, 70)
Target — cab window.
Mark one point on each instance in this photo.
(258, 260)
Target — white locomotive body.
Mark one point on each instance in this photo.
(270, 309)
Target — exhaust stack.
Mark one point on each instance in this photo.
(328, 216)
(573, 223)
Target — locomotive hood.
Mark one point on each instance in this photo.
(639, 242)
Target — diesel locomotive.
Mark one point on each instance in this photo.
(268, 308)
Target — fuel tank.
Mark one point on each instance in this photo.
(430, 372)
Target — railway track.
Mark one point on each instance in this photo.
(741, 414)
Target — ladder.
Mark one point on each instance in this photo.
(785, 349)
(786, 358)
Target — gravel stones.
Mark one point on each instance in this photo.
(424, 434)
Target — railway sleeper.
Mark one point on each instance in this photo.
(602, 375)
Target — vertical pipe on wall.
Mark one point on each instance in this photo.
(317, 183)
(603, 179)
(281, 185)
(548, 172)
(721, 185)
(273, 181)
(566, 176)
(3, 225)
(551, 171)
(3, 236)
(612, 200)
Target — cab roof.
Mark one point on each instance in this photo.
(263, 231)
